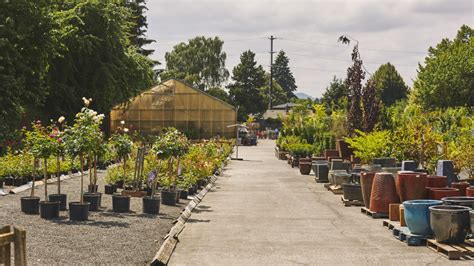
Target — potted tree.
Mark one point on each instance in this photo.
(79, 140)
(170, 147)
(58, 152)
(42, 144)
(122, 146)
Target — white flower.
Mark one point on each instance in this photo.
(122, 122)
(86, 101)
(125, 130)
(61, 119)
(94, 113)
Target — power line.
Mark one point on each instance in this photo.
(343, 60)
(365, 49)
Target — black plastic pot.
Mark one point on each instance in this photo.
(1, 183)
(62, 198)
(30, 205)
(191, 190)
(450, 223)
(169, 197)
(93, 199)
(151, 205)
(79, 211)
(183, 194)
(121, 203)
(20, 181)
(49, 209)
(110, 189)
(8, 181)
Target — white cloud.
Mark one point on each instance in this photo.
(378, 25)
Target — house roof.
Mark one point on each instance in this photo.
(284, 106)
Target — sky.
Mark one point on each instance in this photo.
(399, 32)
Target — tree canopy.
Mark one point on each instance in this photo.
(283, 75)
(200, 62)
(244, 92)
(336, 95)
(389, 84)
(447, 77)
(219, 94)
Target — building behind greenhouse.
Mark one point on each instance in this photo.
(175, 104)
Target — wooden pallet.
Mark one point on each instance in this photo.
(403, 234)
(374, 215)
(463, 251)
(349, 203)
(335, 189)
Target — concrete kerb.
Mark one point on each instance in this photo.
(172, 238)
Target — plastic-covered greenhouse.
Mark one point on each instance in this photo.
(174, 103)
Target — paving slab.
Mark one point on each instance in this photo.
(263, 212)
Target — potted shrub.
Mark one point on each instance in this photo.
(151, 204)
(79, 141)
(122, 146)
(170, 147)
(368, 146)
(58, 152)
(41, 145)
(112, 175)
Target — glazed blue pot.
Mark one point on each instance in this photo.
(417, 215)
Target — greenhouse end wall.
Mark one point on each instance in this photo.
(176, 104)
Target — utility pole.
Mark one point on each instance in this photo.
(271, 73)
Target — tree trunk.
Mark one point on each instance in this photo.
(58, 173)
(82, 178)
(95, 170)
(45, 173)
(34, 178)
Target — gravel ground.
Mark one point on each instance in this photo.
(107, 238)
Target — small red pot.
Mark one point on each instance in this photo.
(439, 193)
(462, 186)
(470, 191)
(436, 181)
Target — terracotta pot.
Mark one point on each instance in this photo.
(436, 181)
(411, 186)
(462, 186)
(439, 193)
(470, 192)
(366, 180)
(383, 193)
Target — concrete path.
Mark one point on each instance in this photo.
(263, 212)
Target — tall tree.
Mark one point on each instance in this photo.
(244, 92)
(279, 95)
(447, 77)
(371, 105)
(219, 93)
(283, 75)
(140, 26)
(336, 95)
(97, 59)
(389, 84)
(200, 62)
(26, 45)
(355, 75)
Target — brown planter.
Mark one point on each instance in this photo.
(383, 193)
(436, 181)
(462, 186)
(305, 167)
(470, 192)
(411, 186)
(366, 180)
(439, 193)
(402, 216)
(394, 212)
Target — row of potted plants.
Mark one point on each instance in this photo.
(170, 163)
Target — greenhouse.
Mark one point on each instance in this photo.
(177, 104)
